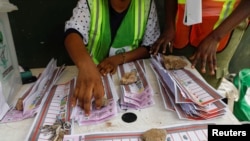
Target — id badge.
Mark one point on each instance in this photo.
(193, 12)
(114, 51)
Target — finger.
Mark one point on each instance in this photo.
(155, 48)
(204, 58)
(73, 101)
(105, 70)
(212, 71)
(170, 47)
(194, 63)
(102, 71)
(194, 60)
(113, 70)
(99, 67)
(211, 66)
(203, 65)
(99, 94)
(215, 63)
(74, 97)
(80, 96)
(151, 51)
(192, 57)
(87, 101)
(109, 69)
(164, 47)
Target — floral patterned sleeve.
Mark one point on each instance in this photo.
(152, 29)
(80, 20)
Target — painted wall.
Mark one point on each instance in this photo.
(37, 28)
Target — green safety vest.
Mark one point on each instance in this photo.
(129, 33)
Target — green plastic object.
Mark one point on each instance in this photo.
(26, 75)
(242, 106)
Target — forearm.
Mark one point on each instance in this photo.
(241, 12)
(77, 50)
(139, 53)
(170, 14)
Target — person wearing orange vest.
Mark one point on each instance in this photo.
(209, 44)
(102, 34)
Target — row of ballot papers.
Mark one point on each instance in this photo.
(186, 94)
(182, 92)
(58, 109)
(34, 97)
(137, 95)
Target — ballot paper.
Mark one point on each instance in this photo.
(4, 107)
(168, 103)
(139, 94)
(53, 118)
(107, 112)
(186, 94)
(56, 117)
(184, 132)
(35, 96)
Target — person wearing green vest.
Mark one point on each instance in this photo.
(102, 34)
(203, 42)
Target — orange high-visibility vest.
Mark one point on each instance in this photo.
(213, 13)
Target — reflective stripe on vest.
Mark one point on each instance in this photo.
(139, 21)
(227, 9)
(95, 24)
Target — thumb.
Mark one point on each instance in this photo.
(73, 101)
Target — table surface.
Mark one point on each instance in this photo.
(152, 117)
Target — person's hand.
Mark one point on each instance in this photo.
(109, 65)
(88, 85)
(206, 55)
(164, 42)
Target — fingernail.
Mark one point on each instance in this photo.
(86, 116)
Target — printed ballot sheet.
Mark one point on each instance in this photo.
(53, 119)
(34, 96)
(108, 110)
(56, 115)
(190, 132)
(199, 92)
(139, 94)
(186, 94)
(4, 107)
